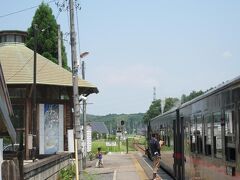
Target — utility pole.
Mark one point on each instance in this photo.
(84, 122)
(34, 108)
(59, 47)
(75, 86)
(154, 93)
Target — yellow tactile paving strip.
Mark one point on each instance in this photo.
(139, 169)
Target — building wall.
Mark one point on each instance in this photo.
(22, 107)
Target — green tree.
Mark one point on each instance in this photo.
(170, 103)
(191, 96)
(153, 111)
(132, 121)
(47, 35)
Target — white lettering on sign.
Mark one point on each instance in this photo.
(112, 143)
(89, 138)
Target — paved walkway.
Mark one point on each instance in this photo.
(117, 166)
(121, 166)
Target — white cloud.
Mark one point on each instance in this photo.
(227, 54)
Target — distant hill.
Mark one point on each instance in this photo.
(133, 122)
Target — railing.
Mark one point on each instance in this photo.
(47, 167)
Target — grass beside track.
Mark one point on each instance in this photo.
(102, 143)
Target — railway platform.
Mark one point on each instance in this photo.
(122, 166)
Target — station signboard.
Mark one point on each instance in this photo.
(89, 138)
(111, 143)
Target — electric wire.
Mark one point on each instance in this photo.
(47, 61)
(23, 10)
(21, 68)
(78, 34)
(79, 49)
(58, 15)
(68, 18)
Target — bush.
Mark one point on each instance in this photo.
(112, 137)
(91, 156)
(68, 172)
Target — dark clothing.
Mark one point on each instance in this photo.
(99, 155)
(100, 159)
(154, 146)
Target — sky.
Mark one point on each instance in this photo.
(176, 46)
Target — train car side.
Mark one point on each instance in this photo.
(211, 135)
(162, 126)
(202, 136)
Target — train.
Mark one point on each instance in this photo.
(201, 137)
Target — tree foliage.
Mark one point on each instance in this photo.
(153, 111)
(191, 96)
(133, 122)
(170, 103)
(47, 35)
(155, 108)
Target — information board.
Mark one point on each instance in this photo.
(111, 143)
(89, 138)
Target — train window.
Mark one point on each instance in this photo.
(171, 136)
(230, 137)
(193, 134)
(229, 122)
(167, 143)
(162, 131)
(226, 97)
(207, 132)
(217, 135)
(198, 134)
(187, 135)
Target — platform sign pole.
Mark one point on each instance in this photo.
(76, 159)
(127, 144)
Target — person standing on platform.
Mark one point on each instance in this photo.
(100, 158)
(155, 150)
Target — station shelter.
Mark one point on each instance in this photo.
(54, 96)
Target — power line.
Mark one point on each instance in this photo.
(58, 15)
(20, 68)
(23, 10)
(78, 29)
(47, 61)
(68, 22)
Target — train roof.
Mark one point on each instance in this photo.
(215, 90)
(165, 113)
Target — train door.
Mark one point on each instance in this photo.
(178, 147)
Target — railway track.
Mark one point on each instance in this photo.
(139, 147)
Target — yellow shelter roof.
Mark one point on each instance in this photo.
(17, 64)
